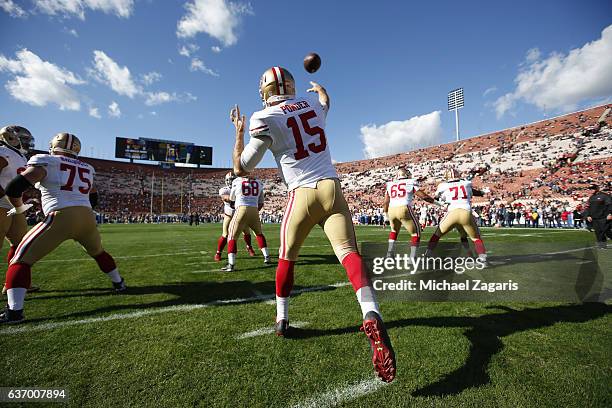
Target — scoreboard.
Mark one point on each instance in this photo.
(165, 151)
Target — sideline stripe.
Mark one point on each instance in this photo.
(341, 395)
(267, 330)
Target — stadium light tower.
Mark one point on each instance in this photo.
(455, 102)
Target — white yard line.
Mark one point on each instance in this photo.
(132, 315)
(341, 395)
(267, 302)
(267, 330)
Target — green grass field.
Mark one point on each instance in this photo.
(188, 335)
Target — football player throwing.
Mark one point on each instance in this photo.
(399, 195)
(228, 213)
(293, 128)
(65, 184)
(248, 197)
(458, 192)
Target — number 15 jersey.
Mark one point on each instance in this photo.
(299, 145)
(67, 183)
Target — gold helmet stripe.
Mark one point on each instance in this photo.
(280, 83)
(69, 142)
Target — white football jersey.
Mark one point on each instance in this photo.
(227, 207)
(299, 145)
(67, 183)
(247, 192)
(457, 193)
(401, 192)
(16, 164)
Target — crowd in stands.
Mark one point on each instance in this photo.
(540, 172)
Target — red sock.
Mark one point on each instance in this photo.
(105, 262)
(393, 235)
(433, 242)
(221, 243)
(353, 264)
(19, 275)
(415, 240)
(232, 248)
(284, 277)
(10, 253)
(247, 239)
(480, 248)
(261, 241)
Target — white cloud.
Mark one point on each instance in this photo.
(533, 54)
(217, 18)
(215, 49)
(39, 82)
(188, 49)
(198, 65)
(113, 110)
(157, 98)
(69, 8)
(93, 112)
(561, 82)
(72, 32)
(109, 72)
(489, 90)
(151, 78)
(12, 9)
(401, 136)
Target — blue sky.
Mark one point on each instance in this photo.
(108, 68)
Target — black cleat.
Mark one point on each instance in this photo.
(267, 260)
(11, 316)
(281, 328)
(120, 286)
(228, 268)
(383, 356)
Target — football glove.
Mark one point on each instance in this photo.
(19, 210)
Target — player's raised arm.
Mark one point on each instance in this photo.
(323, 95)
(238, 121)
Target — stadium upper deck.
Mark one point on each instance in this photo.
(554, 157)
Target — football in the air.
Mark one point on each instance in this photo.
(312, 62)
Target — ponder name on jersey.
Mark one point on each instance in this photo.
(299, 145)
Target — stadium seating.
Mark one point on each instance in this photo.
(556, 159)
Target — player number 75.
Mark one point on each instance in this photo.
(72, 172)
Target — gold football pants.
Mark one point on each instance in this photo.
(324, 205)
(77, 223)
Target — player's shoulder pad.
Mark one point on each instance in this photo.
(258, 125)
(40, 160)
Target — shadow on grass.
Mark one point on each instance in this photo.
(183, 293)
(484, 333)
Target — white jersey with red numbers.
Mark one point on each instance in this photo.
(67, 183)
(401, 192)
(246, 192)
(457, 193)
(299, 145)
(16, 163)
(227, 207)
